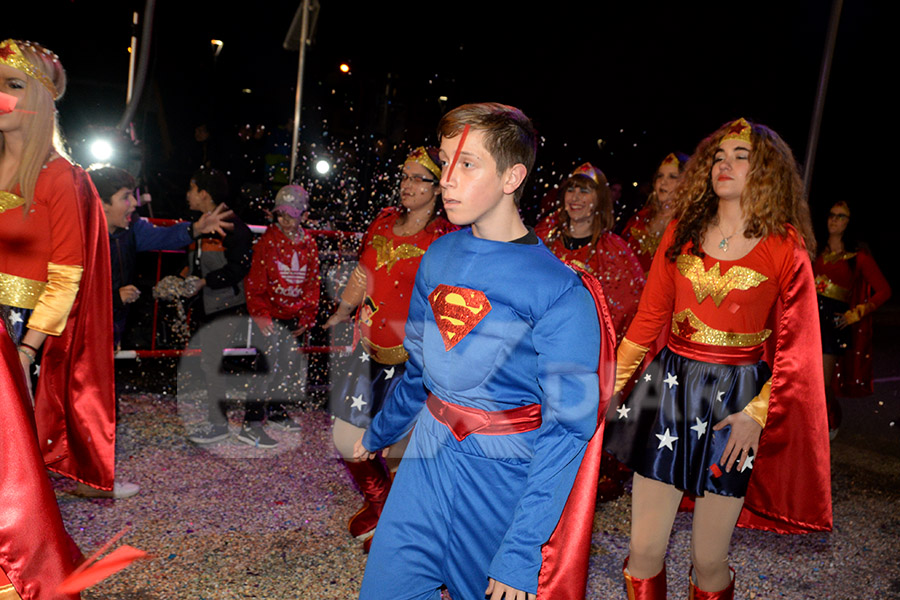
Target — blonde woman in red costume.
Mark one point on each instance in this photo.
(378, 292)
(732, 411)
(54, 271)
(850, 287)
(644, 230)
(582, 237)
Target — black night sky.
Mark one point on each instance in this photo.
(645, 77)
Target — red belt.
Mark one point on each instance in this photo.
(725, 355)
(463, 421)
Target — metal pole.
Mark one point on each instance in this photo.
(304, 33)
(131, 58)
(816, 123)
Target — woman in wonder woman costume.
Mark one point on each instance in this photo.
(583, 237)
(850, 286)
(644, 230)
(379, 291)
(732, 411)
(54, 271)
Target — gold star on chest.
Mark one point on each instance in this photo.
(712, 282)
(388, 255)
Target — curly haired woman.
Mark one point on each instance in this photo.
(731, 411)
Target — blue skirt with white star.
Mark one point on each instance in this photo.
(664, 429)
(361, 387)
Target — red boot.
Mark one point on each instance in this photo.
(653, 588)
(695, 593)
(373, 482)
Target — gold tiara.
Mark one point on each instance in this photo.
(11, 56)
(419, 155)
(739, 130)
(590, 171)
(671, 159)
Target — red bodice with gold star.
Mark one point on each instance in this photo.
(836, 279)
(613, 263)
(51, 233)
(640, 239)
(715, 302)
(390, 262)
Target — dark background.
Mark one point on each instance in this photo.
(646, 78)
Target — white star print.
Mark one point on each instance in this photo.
(748, 463)
(719, 396)
(364, 357)
(647, 377)
(358, 402)
(700, 428)
(15, 317)
(671, 380)
(623, 411)
(388, 373)
(37, 370)
(666, 440)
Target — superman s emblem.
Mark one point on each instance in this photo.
(457, 311)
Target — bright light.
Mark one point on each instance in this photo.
(102, 150)
(217, 46)
(442, 98)
(322, 166)
(345, 68)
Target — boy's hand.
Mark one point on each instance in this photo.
(215, 221)
(496, 590)
(360, 452)
(129, 294)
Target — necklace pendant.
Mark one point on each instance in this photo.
(723, 245)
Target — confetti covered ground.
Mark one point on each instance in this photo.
(229, 521)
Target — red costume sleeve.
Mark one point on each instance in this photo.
(658, 298)
(75, 405)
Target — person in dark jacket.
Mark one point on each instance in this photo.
(219, 263)
(130, 234)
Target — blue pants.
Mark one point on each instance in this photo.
(447, 512)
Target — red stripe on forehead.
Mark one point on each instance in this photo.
(462, 140)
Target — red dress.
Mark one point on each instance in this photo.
(390, 262)
(853, 278)
(763, 303)
(614, 265)
(75, 397)
(639, 238)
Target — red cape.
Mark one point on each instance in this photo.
(790, 490)
(565, 556)
(34, 551)
(75, 403)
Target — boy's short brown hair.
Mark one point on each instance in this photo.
(509, 135)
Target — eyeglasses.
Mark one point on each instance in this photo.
(417, 178)
(838, 216)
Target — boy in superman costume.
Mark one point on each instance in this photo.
(504, 345)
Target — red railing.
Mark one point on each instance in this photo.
(154, 352)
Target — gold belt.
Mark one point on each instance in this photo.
(688, 326)
(394, 355)
(20, 291)
(829, 289)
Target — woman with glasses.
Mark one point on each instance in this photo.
(378, 292)
(849, 286)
